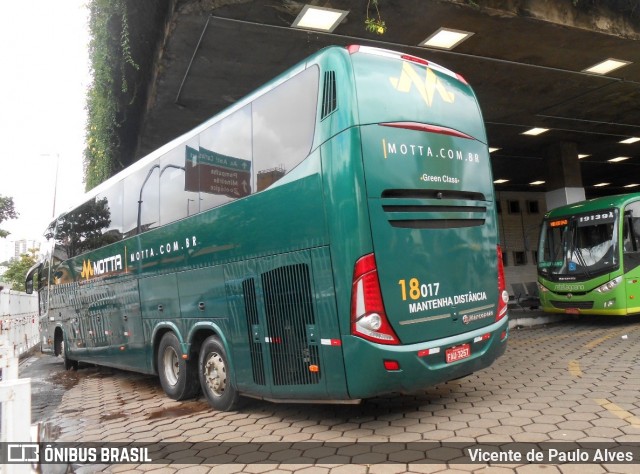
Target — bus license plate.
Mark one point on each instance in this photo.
(458, 353)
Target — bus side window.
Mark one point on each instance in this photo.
(283, 122)
(178, 191)
(225, 160)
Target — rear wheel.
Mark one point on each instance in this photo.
(215, 379)
(177, 375)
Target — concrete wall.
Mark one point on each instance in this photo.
(519, 232)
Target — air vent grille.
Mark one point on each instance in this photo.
(433, 208)
(329, 99)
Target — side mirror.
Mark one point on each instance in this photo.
(31, 274)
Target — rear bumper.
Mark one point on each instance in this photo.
(367, 376)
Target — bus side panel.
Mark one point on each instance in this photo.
(160, 307)
(631, 291)
(283, 312)
(247, 333)
(159, 297)
(332, 367)
(202, 294)
(347, 215)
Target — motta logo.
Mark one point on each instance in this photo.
(101, 267)
(427, 85)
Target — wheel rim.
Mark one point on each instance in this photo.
(215, 374)
(171, 365)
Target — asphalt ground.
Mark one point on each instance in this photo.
(568, 386)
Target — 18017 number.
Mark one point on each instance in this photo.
(413, 289)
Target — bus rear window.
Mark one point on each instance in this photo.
(420, 93)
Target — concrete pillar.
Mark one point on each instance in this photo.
(564, 179)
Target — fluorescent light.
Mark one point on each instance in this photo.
(535, 131)
(491, 150)
(446, 38)
(619, 158)
(633, 185)
(500, 181)
(599, 185)
(628, 141)
(537, 183)
(607, 66)
(319, 18)
(582, 156)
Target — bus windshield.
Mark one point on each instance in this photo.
(580, 246)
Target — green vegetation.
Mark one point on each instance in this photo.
(124, 35)
(110, 53)
(7, 211)
(17, 270)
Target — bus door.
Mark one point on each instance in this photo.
(287, 337)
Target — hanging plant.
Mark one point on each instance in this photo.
(375, 24)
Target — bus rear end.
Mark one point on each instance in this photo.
(428, 304)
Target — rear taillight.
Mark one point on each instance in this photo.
(503, 296)
(368, 318)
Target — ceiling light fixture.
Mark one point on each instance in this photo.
(618, 159)
(629, 141)
(582, 156)
(535, 131)
(599, 185)
(537, 183)
(491, 150)
(607, 66)
(446, 38)
(319, 18)
(500, 181)
(632, 185)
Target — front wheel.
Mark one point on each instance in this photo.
(215, 379)
(177, 375)
(69, 364)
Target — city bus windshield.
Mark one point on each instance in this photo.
(579, 247)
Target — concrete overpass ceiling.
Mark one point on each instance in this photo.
(526, 72)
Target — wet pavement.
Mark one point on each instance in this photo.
(577, 380)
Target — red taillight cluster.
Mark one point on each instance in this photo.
(368, 317)
(503, 296)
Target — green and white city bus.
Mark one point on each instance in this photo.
(332, 236)
(589, 257)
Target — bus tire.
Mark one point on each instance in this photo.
(69, 364)
(215, 379)
(177, 375)
(58, 345)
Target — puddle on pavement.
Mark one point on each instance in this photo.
(182, 410)
(67, 379)
(47, 431)
(114, 416)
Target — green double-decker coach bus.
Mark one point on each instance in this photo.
(331, 237)
(589, 257)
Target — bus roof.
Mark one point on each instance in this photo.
(592, 205)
